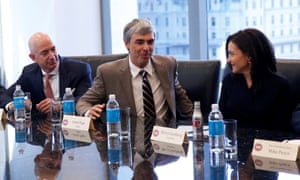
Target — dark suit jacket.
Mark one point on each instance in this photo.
(115, 78)
(4, 97)
(72, 73)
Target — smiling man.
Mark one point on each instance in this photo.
(62, 73)
(124, 79)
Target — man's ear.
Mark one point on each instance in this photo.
(32, 57)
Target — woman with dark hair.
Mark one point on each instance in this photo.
(253, 93)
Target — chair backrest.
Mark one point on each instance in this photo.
(200, 79)
(95, 61)
(291, 70)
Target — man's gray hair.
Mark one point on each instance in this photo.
(139, 26)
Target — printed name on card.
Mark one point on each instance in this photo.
(275, 150)
(77, 122)
(169, 135)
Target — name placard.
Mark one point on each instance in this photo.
(275, 150)
(77, 123)
(275, 165)
(169, 135)
(170, 149)
(77, 135)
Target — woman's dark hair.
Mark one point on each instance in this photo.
(257, 46)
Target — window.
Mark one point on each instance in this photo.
(195, 32)
(254, 21)
(253, 4)
(227, 21)
(213, 35)
(213, 21)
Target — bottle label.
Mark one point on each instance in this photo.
(197, 123)
(19, 102)
(20, 136)
(69, 107)
(216, 127)
(113, 115)
(20, 132)
(114, 155)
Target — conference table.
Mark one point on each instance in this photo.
(43, 151)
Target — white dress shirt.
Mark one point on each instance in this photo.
(159, 101)
(158, 94)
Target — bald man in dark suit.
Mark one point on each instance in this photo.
(64, 73)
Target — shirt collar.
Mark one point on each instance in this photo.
(54, 72)
(136, 70)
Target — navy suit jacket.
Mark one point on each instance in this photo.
(72, 73)
(4, 97)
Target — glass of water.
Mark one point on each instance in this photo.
(28, 105)
(56, 111)
(230, 132)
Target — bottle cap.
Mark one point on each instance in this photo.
(215, 106)
(68, 89)
(18, 86)
(112, 96)
(197, 103)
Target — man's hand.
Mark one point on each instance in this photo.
(44, 105)
(96, 111)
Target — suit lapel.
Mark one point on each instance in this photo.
(63, 78)
(126, 87)
(126, 84)
(163, 76)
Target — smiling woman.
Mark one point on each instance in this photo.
(254, 93)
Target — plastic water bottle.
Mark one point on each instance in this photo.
(20, 131)
(113, 117)
(216, 136)
(19, 104)
(113, 133)
(69, 102)
(197, 122)
(114, 154)
(20, 136)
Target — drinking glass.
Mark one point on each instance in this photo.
(28, 105)
(56, 110)
(230, 128)
(125, 123)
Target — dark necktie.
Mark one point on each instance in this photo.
(149, 114)
(48, 89)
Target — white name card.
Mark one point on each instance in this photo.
(169, 135)
(170, 149)
(77, 123)
(77, 135)
(275, 150)
(275, 165)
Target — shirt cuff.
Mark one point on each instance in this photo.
(7, 105)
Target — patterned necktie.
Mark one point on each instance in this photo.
(149, 114)
(48, 89)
